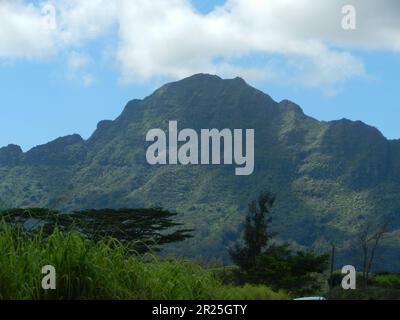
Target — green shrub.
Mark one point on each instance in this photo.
(389, 281)
(300, 273)
(249, 292)
(227, 275)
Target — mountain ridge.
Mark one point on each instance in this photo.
(325, 174)
(101, 123)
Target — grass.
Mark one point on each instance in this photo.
(105, 270)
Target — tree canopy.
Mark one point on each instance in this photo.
(141, 228)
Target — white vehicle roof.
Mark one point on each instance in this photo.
(311, 298)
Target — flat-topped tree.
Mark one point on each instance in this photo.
(141, 229)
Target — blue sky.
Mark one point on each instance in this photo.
(45, 97)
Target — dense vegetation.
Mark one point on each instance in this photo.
(104, 269)
(325, 174)
(379, 287)
(94, 265)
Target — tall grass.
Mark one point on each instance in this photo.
(104, 270)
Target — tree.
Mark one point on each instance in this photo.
(142, 229)
(370, 233)
(256, 233)
(281, 268)
(261, 262)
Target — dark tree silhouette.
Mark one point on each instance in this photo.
(278, 266)
(256, 233)
(143, 229)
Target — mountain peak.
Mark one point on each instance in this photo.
(11, 148)
(201, 76)
(206, 77)
(62, 151)
(10, 155)
(203, 85)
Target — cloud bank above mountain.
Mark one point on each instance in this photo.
(293, 41)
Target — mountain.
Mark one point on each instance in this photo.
(326, 175)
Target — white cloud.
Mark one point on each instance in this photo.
(80, 21)
(169, 38)
(26, 32)
(23, 32)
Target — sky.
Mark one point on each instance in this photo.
(67, 64)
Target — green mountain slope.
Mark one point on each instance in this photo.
(325, 174)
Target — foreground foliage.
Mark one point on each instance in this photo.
(297, 272)
(104, 270)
